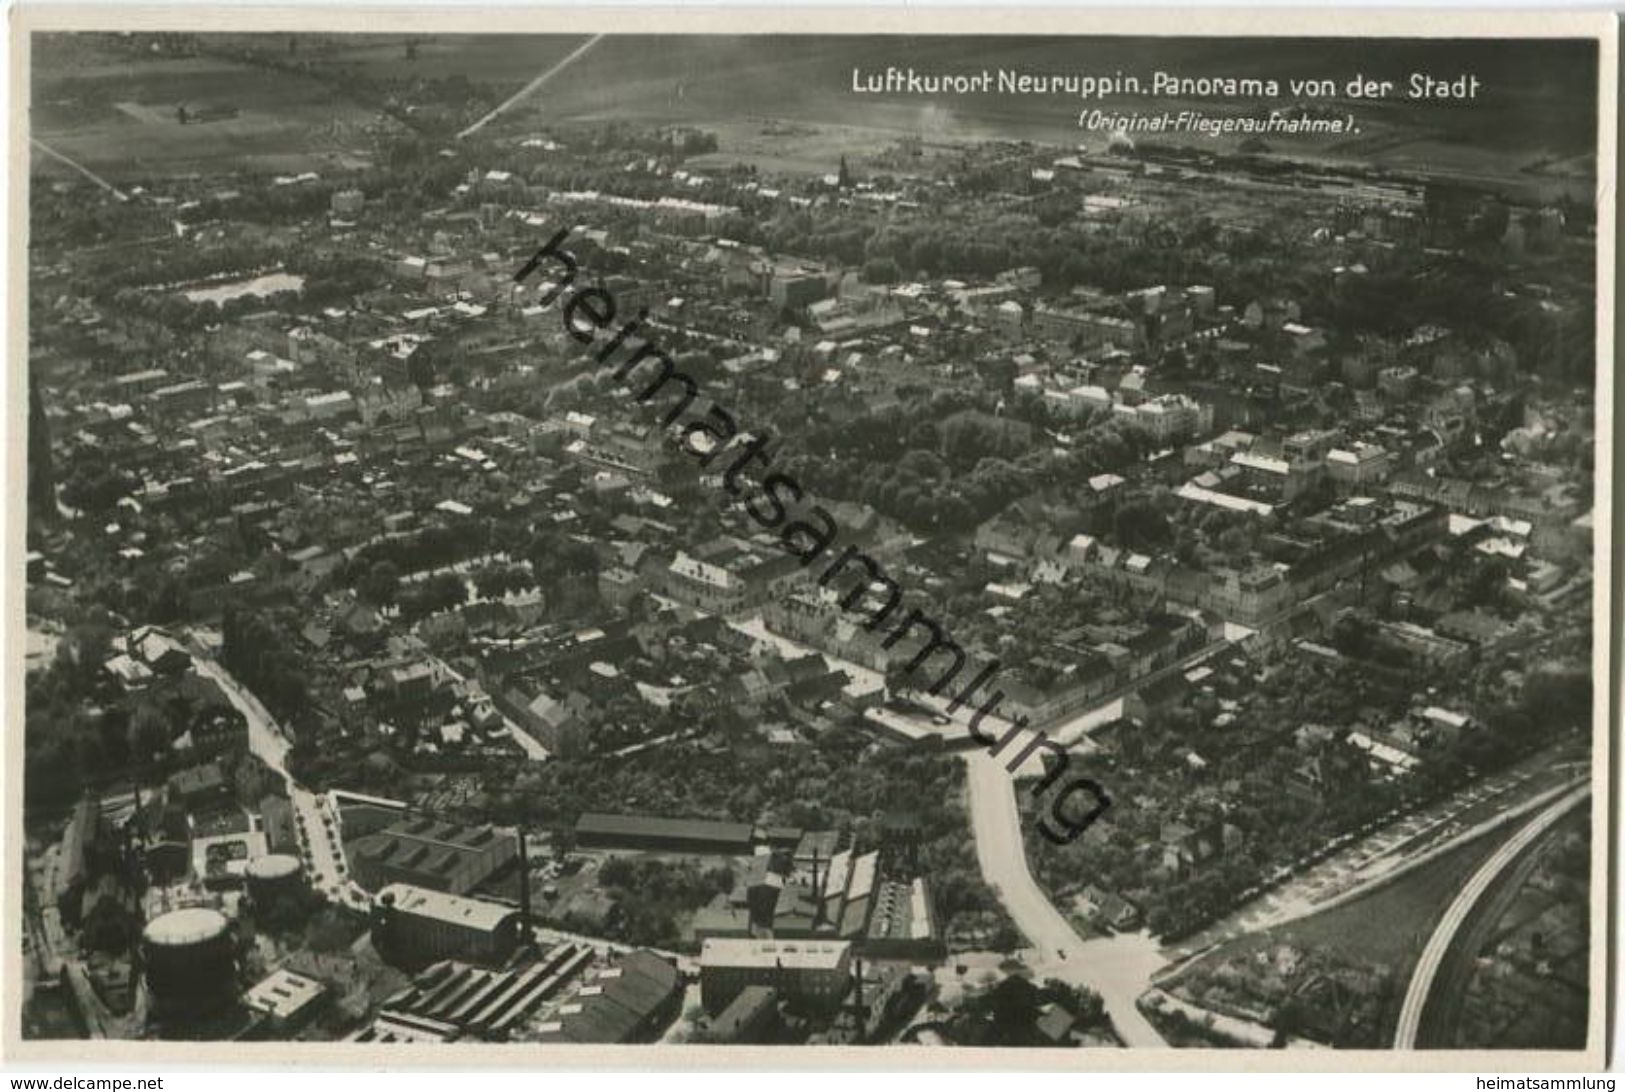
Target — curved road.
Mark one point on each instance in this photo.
(1427, 968)
(318, 833)
(1119, 968)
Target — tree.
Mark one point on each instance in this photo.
(149, 732)
(1006, 938)
(556, 558)
(1080, 1001)
(899, 679)
(444, 591)
(41, 477)
(1140, 526)
(380, 584)
(288, 915)
(880, 271)
(420, 369)
(52, 774)
(1353, 635)
(96, 487)
(331, 930)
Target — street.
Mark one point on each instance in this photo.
(318, 825)
(1119, 967)
(995, 726)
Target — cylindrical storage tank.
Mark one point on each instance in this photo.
(191, 959)
(273, 876)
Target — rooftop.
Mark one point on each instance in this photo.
(452, 909)
(826, 955)
(283, 993)
(647, 825)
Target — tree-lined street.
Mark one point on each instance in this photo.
(319, 833)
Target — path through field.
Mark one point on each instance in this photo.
(534, 85)
(81, 168)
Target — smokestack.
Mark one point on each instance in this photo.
(818, 892)
(524, 888)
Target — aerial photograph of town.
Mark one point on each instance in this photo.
(1080, 543)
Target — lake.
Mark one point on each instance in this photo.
(264, 285)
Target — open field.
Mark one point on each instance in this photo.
(488, 58)
(775, 148)
(102, 105)
(118, 115)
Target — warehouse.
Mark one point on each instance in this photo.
(485, 1003)
(595, 830)
(632, 1002)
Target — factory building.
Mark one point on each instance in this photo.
(752, 1017)
(428, 853)
(424, 925)
(816, 973)
(631, 1002)
(405, 1029)
(875, 899)
(466, 1001)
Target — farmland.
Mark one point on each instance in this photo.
(105, 104)
(119, 117)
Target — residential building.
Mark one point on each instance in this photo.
(1358, 465)
(1170, 417)
(1085, 330)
